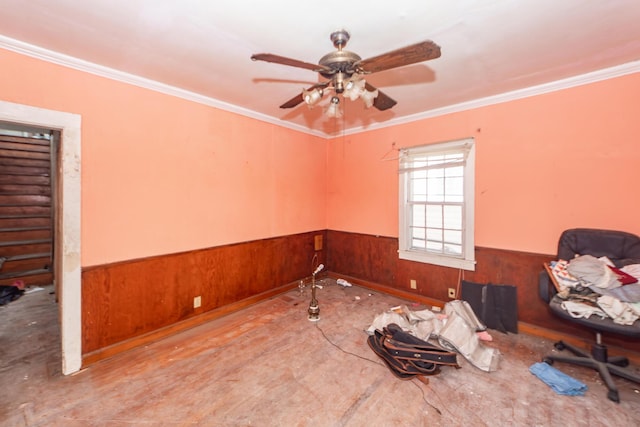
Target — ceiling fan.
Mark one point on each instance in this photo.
(345, 70)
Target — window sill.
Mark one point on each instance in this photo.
(444, 261)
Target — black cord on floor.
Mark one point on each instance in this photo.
(377, 363)
(425, 398)
(345, 351)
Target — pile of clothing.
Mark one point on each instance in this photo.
(591, 286)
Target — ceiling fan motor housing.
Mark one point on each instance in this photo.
(340, 62)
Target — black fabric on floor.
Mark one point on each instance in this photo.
(495, 305)
(9, 293)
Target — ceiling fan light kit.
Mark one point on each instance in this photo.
(368, 97)
(354, 88)
(333, 110)
(344, 71)
(312, 97)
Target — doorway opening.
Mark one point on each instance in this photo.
(65, 204)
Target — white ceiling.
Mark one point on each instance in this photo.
(203, 47)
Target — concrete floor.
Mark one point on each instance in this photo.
(267, 365)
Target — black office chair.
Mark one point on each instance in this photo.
(622, 249)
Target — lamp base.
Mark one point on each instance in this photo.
(314, 313)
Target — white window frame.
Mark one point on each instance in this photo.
(466, 260)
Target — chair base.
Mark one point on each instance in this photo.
(599, 361)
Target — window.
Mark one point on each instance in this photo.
(436, 204)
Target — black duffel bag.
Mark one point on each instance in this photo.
(408, 356)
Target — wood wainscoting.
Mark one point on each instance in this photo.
(127, 304)
(132, 303)
(373, 261)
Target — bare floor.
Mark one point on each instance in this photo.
(268, 365)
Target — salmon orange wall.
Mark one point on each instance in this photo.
(162, 175)
(543, 164)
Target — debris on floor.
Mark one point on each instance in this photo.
(343, 283)
(407, 356)
(560, 382)
(11, 292)
(456, 329)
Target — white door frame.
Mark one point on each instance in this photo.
(67, 270)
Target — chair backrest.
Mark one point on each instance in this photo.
(620, 247)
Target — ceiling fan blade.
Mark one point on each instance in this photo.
(418, 52)
(298, 98)
(269, 57)
(382, 101)
(293, 101)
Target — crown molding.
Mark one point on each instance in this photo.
(110, 73)
(583, 79)
(132, 79)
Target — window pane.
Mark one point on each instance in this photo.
(434, 240)
(421, 174)
(455, 250)
(434, 234)
(454, 171)
(453, 236)
(418, 238)
(453, 217)
(418, 218)
(418, 233)
(434, 247)
(418, 190)
(435, 190)
(454, 189)
(435, 173)
(434, 216)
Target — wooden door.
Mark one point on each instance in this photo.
(26, 214)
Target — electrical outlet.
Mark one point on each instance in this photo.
(317, 242)
(452, 293)
(413, 284)
(197, 301)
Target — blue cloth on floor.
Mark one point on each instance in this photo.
(560, 382)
